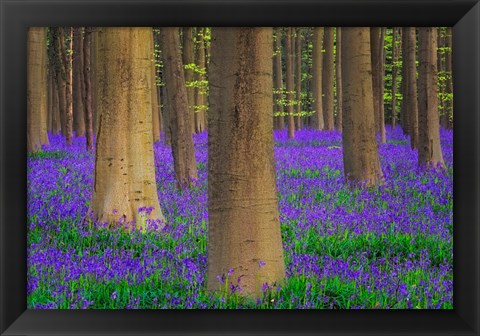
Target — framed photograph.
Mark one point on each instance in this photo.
(241, 294)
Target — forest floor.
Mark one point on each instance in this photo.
(384, 247)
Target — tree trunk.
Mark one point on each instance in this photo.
(394, 76)
(182, 143)
(87, 78)
(124, 161)
(449, 85)
(61, 78)
(78, 83)
(411, 101)
(429, 149)
(167, 134)
(298, 68)
(378, 63)
(277, 66)
(67, 57)
(56, 122)
(360, 149)
(328, 79)
(155, 113)
(338, 68)
(199, 76)
(189, 62)
(317, 76)
(99, 78)
(290, 85)
(244, 228)
(36, 89)
(404, 87)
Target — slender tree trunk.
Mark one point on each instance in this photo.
(277, 66)
(69, 81)
(56, 122)
(36, 89)
(429, 149)
(166, 118)
(338, 68)
(394, 76)
(182, 143)
(49, 99)
(317, 76)
(404, 86)
(244, 228)
(155, 117)
(411, 101)
(124, 161)
(61, 77)
(360, 149)
(298, 68)
(290, 83)
(189, 62)
(328, 79)
(78, 83)
(87, 78)
(377, 35)
(449, 86)
(200, 99)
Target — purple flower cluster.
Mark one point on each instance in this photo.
(385, 247)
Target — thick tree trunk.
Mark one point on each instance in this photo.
(99, 76)
(182, 143)
(189, 62)
(124, 162)
(87, 78)
(338, 68)
(317, 76)
(49, 99)
(429, 149)
(67, 56)
(167, 133)
(56, 122)
(290, 82)
(411, 100)
(244, 228)
(277, 66)
(360, 149)
(328, 79)
(36, 89)
(78, 83)
(298, 75)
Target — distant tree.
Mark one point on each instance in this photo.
(328, 79)
(61, 76)
(360, 149)
(67, 59)
(36, 89)
(377, 35)
(298, 77)
(411, 100)
(338, 81)
(395, 52)
(278, 79)
(124, 162)
(290, 82)
(429, 149)
(189, 62)
(78, 83)
(199, 78)
(87, 78)
(317, 76)
(185, 165)
(244, 228)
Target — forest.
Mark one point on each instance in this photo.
(232, 168)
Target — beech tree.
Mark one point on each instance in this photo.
(378, 62)
(36, 89)
(429, 149)
(124, 165)
(410, 99)
(179, 120)
(244, 228)
(338, 79)
(328, 79)
(290, 81)
(360, 149)
(87, 78)
(278, 78)
(317, 76)
(78, 89)
(188, 62)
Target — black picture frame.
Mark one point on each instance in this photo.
(17, 15)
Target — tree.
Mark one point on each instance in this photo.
(411, 100)
(429, 149)
(124, 162)
(188, 62)
(78, 83)
(317, 76)
(154, 91)
(179, 120)
(67, 59)
(290, 85)
(199, 77)
(61, 76)
(360, 149)
(338, 81)
(377, 35)
(277, 69)
(87, 78)
(327, 80)
(298, 75)
(244, 227)
(36, 89)
(394, 75)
